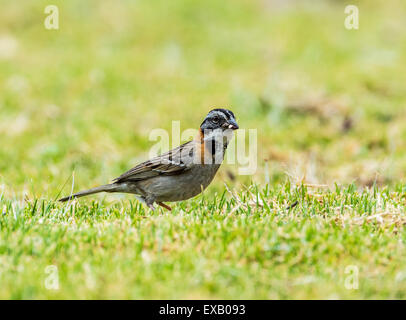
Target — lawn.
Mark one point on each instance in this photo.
(322, 217)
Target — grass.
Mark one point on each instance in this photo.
(328, 104)
(245, 245)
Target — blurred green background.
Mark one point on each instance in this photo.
(328, 103)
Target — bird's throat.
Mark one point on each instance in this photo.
(212, 145)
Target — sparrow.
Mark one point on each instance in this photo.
(180, 173)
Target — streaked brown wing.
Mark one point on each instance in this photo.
(170, 163)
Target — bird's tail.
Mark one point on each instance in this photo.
(105, 188)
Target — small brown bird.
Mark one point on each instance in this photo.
(180, 173)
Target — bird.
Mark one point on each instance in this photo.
(181, 173)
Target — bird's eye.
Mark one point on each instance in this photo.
(216, 119)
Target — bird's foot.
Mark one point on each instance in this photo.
(165, 206)
(151, 206)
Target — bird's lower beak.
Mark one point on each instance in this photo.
(232, 125)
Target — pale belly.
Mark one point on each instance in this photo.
(179, 187)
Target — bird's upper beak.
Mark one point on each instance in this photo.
(231, 124)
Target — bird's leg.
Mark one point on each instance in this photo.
(164, 205)
(149, 200)
(145, 201)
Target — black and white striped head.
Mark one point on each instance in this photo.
(219, 119)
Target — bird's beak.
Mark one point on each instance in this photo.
(232, 125)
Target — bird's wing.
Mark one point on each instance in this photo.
(172, 162)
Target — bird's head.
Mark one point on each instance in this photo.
(216, 131)
(219, 119)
